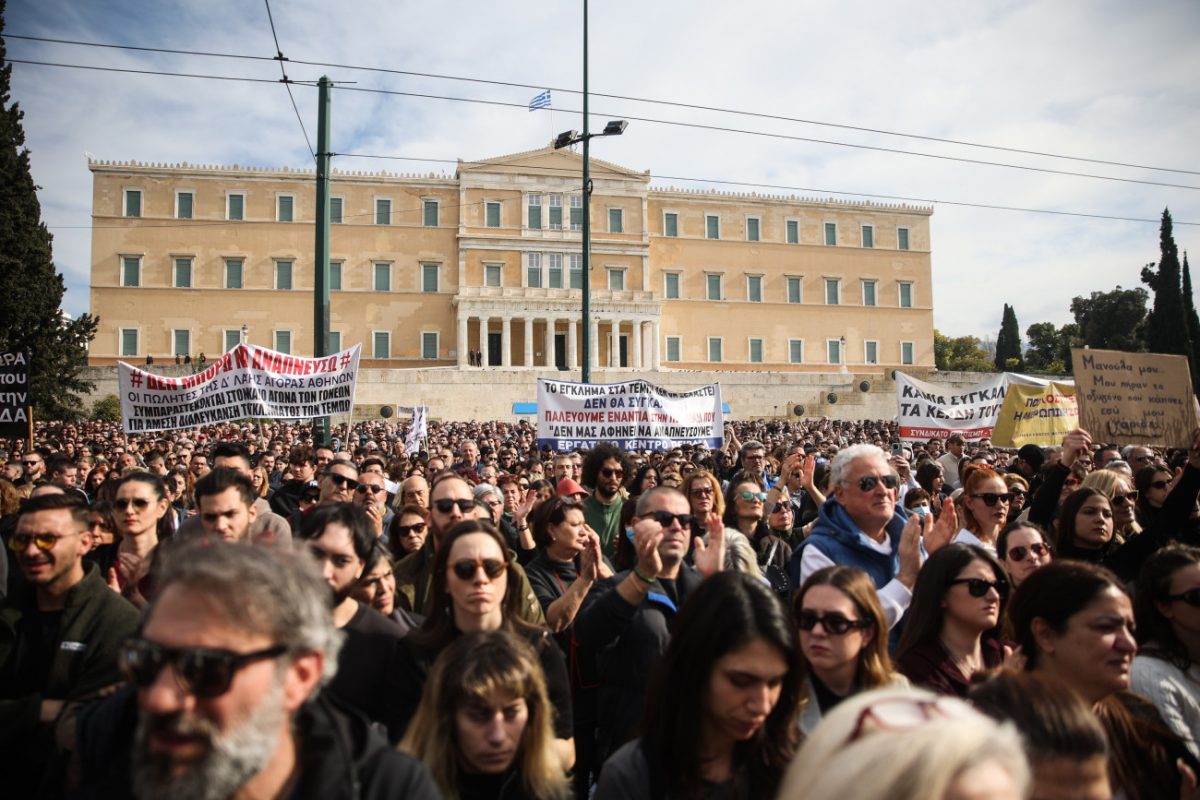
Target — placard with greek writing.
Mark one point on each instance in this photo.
(1135, 398)
(14, 395)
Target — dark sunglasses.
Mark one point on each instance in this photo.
(363, 488)
(701, 491)
(203, 671)
(1019, 552)
(140, 503)
(31, 463)
(1017, 492)
(1127, 498)
(341, 480)
(991, 498)
(1159, 484)
(446, 505)
(867, 483)
(665, 518)
(978, 587)
(833, 624)
(466, 568)
(612, 473)
(310, 497)
(1191, 597)
(405, 530)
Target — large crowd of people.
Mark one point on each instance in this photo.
(814, 610)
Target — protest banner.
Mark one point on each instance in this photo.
(248, 381)
(14, 396)
(925, 410)
(1039, 415)
(1135, 398)
(634, 415)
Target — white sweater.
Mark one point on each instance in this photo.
(1174, 692)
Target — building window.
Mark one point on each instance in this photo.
(795, 289)
(336, 210)
(616, 220)
(793, 231)
(715, 346)
(181, 342)
(233, 273)
(493, 275)
(671, 285)
(753, 225)
(535, 211)
(616, 280)
(283, 275)
(868, 291)
(712, 226)
(831, 234)
(233, 337)
(906, 353)
(183, 205)
(335, 342)
(833, 291)
(795, 351)
(133, 202)
(902, 238)
(833, 350)
(129, 341)
(183, 273)
(383, 211)
(870, 352)
(429, 216)
(381, 344)
(429, 278)
(556, 212)
(673, 348)
(906, 295)
(492, 214)
(429, 346)
(868, 235)
(285, 207)
(235, 206)
(533, 270)
(576, 266)
(754, 288)
(556, 276)
(382, 272)
(670, 223)
(713, 286)
(335, 276)
(756, 351)
(283, 342)
(131, 271)
(576, 212)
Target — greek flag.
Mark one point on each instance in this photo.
(540, 101)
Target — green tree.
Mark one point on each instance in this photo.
(1112, 320)
(961, 354)
(1166, 325)
(107, 409)
(1193, 323)
(1008, 342)
(1050, 347)
(31, 289)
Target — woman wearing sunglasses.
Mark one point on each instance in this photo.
(140, 514)
(843, 641)
(475, 588)
(984, 507)
(1166, 670)
(1120, 493)
(1023, 548)
(1018, 487)
(952, 627)
(1153, 484)
(407, 530)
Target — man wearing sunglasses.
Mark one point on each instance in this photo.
(605, 470)
(59, 634)
(371, 494)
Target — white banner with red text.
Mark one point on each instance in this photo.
(926, 410)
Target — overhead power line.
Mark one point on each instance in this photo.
(279, 56)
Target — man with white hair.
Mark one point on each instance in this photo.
(860, 526)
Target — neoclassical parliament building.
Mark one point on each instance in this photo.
(440, 271)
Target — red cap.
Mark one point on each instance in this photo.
(567, 487)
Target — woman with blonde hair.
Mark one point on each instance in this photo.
(703, 493)
(484, 725)
(1123, 497)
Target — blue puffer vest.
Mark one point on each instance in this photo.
(842, 542)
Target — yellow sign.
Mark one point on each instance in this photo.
(1038, 415)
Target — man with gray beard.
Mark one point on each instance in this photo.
(225, 692)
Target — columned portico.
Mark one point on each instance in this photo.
(528, 361)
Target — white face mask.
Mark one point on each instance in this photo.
(920, 511)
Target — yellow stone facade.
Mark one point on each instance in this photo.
(184, 256)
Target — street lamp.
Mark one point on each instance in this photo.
(245, 333)
(614, 128)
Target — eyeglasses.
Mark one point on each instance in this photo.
(445, 505)
(1017, 492)
(310, 497)
(782, 508)
(612, 473)
(1071, 483)
(45, 542)
(31, 463)
(750, 497)
(203, 671)
(665, 518)
(1019, 552)
(867, 483)
(363, 488)
(405, 530)
(1159, 484)
(832, 624)
(1191, 597)
(978, 587)
(341, 480)
(903, 714)
(1143, 458)
(701, 491)
(991, 498)
(139, 503)
(1127, 498)
(466, 568)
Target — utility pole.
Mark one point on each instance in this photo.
(321, 260)
(587, 220)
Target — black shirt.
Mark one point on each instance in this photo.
(368, 679)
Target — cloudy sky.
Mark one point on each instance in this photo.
(1093, 79)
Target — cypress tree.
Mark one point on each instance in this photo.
(1166, 325)
(1008, 342)
(1193, 323)
(31, 289)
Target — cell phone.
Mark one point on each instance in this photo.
(897, 448)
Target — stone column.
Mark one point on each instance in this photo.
(637, 343)
(655, 345)
(614, 343)
(572, 346)
(461, 348)
(483, 340)
(594, 356)
(528, 362)
(550, 324)
(506, 341)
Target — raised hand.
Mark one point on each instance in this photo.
(709, 558)
(647, 535)
(807, 468)
(939, 534)
(910, 551)
(1075, 444)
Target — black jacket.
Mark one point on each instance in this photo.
(286, 500)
